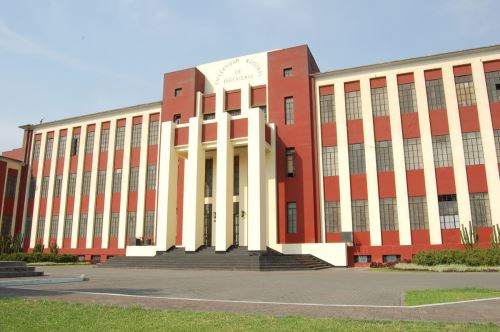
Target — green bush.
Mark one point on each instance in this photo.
(37, 257)
(478, 257)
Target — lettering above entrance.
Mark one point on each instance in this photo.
(239, 69)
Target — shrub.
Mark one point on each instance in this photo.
(478, 257)
(37, 257)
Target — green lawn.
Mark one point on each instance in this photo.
(30, 315)
(428, 296)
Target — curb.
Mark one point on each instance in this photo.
(42, 281)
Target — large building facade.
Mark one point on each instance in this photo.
(372, 163)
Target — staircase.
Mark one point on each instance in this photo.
(10, 269)
(237, 258)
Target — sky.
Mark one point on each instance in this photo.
(60, 59)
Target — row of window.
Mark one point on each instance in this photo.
(153, 135)
(417, 206)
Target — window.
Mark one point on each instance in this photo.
(36, 150)
(136, 135)
(10, 187)
(236, 178)
(380, 103)
(332, 216)
(82, 226)
(40, 228)
(98, 224)
(48, 148)
(71, 184)
(292, 217)
(209, 116)
(89, 143)
(54, 223)
(68, 225)
(101, 182)
(234, 112)
(363, 259)
(441, 148)
(360, 220)
(120, 138)
(391, 258)
(208, 177)
(497, 143)
(149, 224)
(327, 108)
(466, 95)
(388, 214)
(86, 183)
(61, 149)
(448, 211)
(104, 140)
(45, 187)
(154, 127)
(57, 186)
(75, 144)
(383, 151)
(6, 225)
(473, 148)
(413, 153)
(435, 94)
(407, 98)
(177, 118)
(289, 115)
(418, 212)
(117, 180)
(480, 209)
(287, 72)
(290, 162)
(330, 161)
(493, 85)
(178, 92)
(133, 183)
(131, 221)
(356, 158)
(32, 188)
(151, 177)
(353, 105)
(115, 222)
(27, 227)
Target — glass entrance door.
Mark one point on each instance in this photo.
(207, 225)
(236, 223)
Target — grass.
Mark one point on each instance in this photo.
(445, 268)
(429, 296)
(35, 315)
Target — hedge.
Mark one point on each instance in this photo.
(477, 257)
(39, 257)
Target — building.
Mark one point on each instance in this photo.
(364, 164)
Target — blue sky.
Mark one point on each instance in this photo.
(64, 58)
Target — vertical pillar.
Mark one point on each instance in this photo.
(39, 178)
(109, 184)
(64, 189)
(93, 187)
(78, 187)
(272, 208)
(50, 195)
(141, 189)
(123, 225)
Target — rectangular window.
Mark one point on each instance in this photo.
(441, 148)
(32, 188)
(120, 138)
(287, 72)
(10, 187)
(104, 140)
(154, 127)
(388, 214)
(54, 223)
(327, 108)
(117, 180)
(332, 216)
(131, 221)
(236, 178)
(178, 92)
(82, 226)
(61, 149)
(136, 135)
(435, 94)
(151, 177)
(68, 225)
(89, 143)
(330, 161)
(407, 98)
(40, 228)
(391, 258)
(363, 259)
(357, 158)
(45, 187)
(380, 103)
(353, 105)
(292, 217)
(75, 144)
(383, 151)
(133, 183)
(115, 222)
(99, 218)
(6, 226)
(149, 224)
(208, 116)
(101, 182)
(466, 96)
(27, 227)
(48, 148)
(413, 153)
(493, 85)
(36, 150)
(448, 211)
(360, 220)
(290, 162)
(71, 184)
(58, 186)
(289, 112)
(473, 148)
(480, 209)
(497, 143)
(209, 166)
(86, 183)
(177, 118)
(418, 212)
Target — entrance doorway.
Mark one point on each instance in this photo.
(207, 225)
(236, 223)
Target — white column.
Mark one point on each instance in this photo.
(39, 177)
(122, 229)
(93, 187)
(109, 184)
(488, 140)
(428, 157)
(192, 228)
(256, 216)
(220, 100)
(224, 193)
(64, 189)
(319, 138)
(141, 189)
(457, 148)
(272, 199)
(78, 187)
(371, 164)
(50, 195)
(246, 99)
(343, 155)
(166, 226)
(399, 161)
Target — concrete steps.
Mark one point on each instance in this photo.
(10, 269)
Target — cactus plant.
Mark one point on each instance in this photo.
(469, 236)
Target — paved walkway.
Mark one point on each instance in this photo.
(347, 293)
